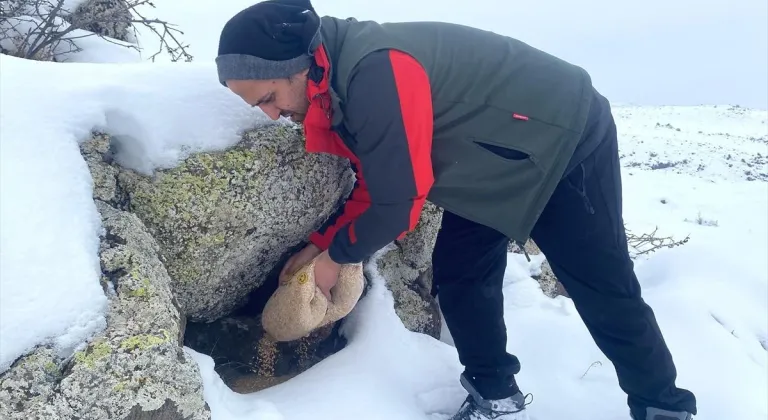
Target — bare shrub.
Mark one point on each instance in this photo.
(646, 243)
(48, 29)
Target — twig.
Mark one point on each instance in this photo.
(47, 24)
(651, 242)
(166, 31)
(598, 363)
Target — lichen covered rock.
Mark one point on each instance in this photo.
(407, 269)
(223, 223)
(136, 368)
(224, 220)
(546, 278)
(110, 18)
(27, 389)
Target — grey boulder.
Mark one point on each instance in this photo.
(136, 368)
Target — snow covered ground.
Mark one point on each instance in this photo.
(698, 171)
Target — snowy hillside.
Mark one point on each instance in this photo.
(697, 171)
(715, 143)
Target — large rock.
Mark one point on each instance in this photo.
(136, 368)
(110, 18)
(225, 220)
(225, 223)
(407, 270)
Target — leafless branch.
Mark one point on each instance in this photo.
(47, 25)
(646, 243)
(175, 52)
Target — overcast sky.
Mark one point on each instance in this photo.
(677, 52)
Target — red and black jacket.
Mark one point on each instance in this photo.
(387, 136)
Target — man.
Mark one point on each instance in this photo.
(511, 142)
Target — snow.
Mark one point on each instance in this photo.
(711, 142)
(98, 50)
(49, 269)
(697, 171)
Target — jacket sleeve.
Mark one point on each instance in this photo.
(388, 116)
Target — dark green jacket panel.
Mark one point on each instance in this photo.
(486, 89)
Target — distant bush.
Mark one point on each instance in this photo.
(703, 222)
(47, 29)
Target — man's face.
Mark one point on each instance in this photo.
(275, 97)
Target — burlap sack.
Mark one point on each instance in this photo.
(298, 306)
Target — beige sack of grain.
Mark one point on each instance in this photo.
(298, 306)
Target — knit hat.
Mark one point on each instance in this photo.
(298, 306)
(270, 40)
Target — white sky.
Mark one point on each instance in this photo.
(676, 52)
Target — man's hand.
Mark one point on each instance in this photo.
(326, 273)
(300, 259)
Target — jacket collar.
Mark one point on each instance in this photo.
(324, 111)
(319, 76)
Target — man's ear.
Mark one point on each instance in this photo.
(300, 76)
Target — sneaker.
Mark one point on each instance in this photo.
(659, 414)
(475, 407)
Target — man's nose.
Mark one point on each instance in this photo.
(272, 111)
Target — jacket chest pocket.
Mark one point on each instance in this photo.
(502, 152)
(490, 184)
(473, 164)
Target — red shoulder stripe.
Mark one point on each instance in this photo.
(413, 88)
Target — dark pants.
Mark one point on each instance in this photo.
(581, 232)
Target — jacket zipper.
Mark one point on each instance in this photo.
(326, 109)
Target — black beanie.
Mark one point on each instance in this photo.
(269, 40)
